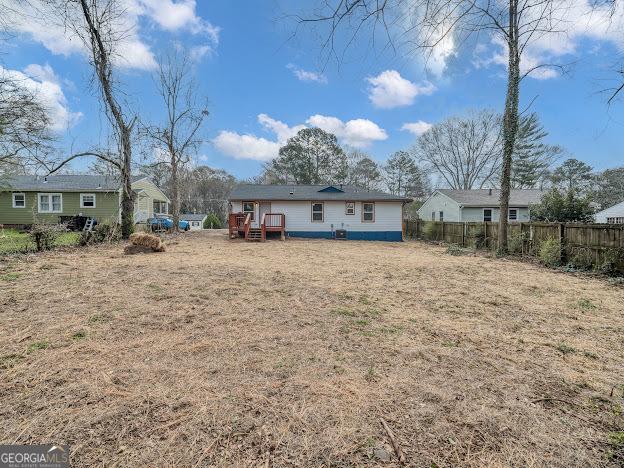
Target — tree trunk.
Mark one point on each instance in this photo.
(510, 123)
(175, 193)
(127, 195)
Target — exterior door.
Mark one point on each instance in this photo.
(265, 207)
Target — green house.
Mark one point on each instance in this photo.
(25, 200)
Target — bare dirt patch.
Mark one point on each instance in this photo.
(222, 353)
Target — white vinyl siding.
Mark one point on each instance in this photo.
(50, 202)
(388, 216)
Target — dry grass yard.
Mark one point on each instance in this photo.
(226, 353)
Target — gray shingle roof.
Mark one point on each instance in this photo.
(309, 192)
(192, 217)
(63, 183)
(486, 197)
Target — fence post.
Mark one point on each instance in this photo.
(442, 231)
(562, 242)
(464, 235)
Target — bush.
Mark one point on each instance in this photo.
(515, 243)
(550, 252)
(104, 232)
(612, 261)
(212, 222)
(44, 236)
(478, 234)
(582, 259)
(430, 230)
(455, 250)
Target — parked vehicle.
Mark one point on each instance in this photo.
(165, 223)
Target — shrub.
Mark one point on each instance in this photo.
(478, 234)
(104, 232)
(550, 252)
(212, 222)
(430, 230)
(515, 243)
(44, 236)
(612, 261)
(455, 250)
(582, 259)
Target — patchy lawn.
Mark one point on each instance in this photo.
(227, 353)
(13, 241)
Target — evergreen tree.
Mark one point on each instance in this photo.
(404, 177)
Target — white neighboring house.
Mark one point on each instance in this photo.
(321, 211)
(613, 215)
(477, 205)
(196, 221)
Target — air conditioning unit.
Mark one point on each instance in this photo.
(341, 234)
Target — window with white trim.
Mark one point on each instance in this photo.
(441, 215)
(195, 223)
(368, 212)
(87, 200)
(350, 208)
(50, 202)
(513, 214)
(433, 216)
(160, 207)
(249, 207)
(317, 212)
(487, 214)
(19, 200)
(615, 220)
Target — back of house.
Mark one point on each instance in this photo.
(477, 205)
(323, 211)
(27, 200)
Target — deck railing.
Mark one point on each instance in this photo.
(274, 221)
(247, 225)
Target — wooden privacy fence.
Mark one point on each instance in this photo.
(601, 242)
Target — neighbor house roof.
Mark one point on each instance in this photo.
(487, 197)
(192, 217)
(63, 183)
(310, 192)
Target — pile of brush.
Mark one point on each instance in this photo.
(142, 242)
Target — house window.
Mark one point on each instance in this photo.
(195, 223)
(616, 220)
(433, 216)
(317, 212)
(487, 214)
(50, 202)
(248, 207)
(19, 200)
(441, 215)
(368, 212)
(87, 200)
(350, 208)
(513, 214)
(160, 207)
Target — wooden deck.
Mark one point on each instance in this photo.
(240, 225)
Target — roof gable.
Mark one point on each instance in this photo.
(256, 192)
(331, 189)
(491, 197)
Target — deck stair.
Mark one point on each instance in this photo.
(255, 235)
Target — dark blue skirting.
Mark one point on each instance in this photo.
(391, 236)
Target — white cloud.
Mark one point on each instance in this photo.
(358, 133)
(417, 128)
(132, 51)
(43, 83)
(389, 89)
(303, 75)
(246, 146)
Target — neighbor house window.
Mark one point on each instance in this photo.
(50, 202)
(19, 200)
(513, 214)
(350, 208)
(248, 207)
(487, 214)
(195, 223)
(616, 220)
(160, 207)
(368, 212)
(87, 200)
(441, 215)
(433, 216)
(317, 212)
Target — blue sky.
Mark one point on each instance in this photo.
(263, 84)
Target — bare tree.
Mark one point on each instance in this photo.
(465, 152)
(177, 138)
(97, 24)
(426, 24)
(25, 136)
